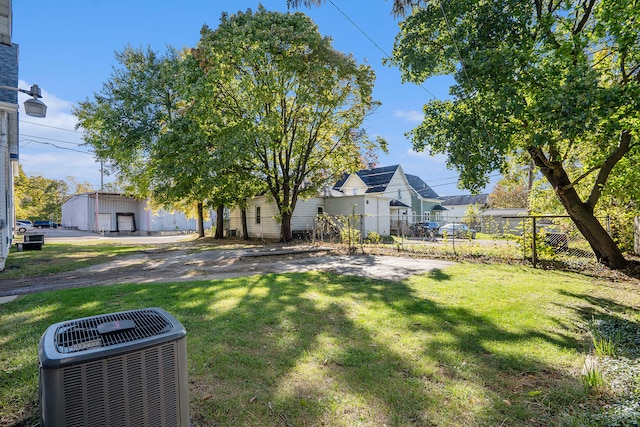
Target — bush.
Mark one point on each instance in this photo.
(373, 238)
(350, 235)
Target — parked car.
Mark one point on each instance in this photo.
(430, 226)
(554, 237)
(44, 224)
(457, 230)
(23, 225)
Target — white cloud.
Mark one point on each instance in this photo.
(438, 158)
(409, 116)
(50, 146)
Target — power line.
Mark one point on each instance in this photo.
(455, 182)
(59, 147)
(386, 55)
(51, 139)
(49, 126)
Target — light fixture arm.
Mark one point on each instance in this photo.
(33, 107)
(34, 91)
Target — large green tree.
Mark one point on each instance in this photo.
(557, 80)
(124, 121)
(137, 123)
(39, 198)
(291, 99)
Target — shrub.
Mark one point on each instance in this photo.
(373, 238)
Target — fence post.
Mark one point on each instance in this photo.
(534, 254)
(636, 235)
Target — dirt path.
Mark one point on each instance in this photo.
(177, 265)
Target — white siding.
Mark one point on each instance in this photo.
(268, 227)
(80, 212)
(377, 215)
(303, 218)
(5, 190)
(104, 222)
(162, 220)
(75, 212)
(345, 205)
(305, 214)
(354, 186)
(399, 188)
(374, 211)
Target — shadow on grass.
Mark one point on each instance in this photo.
(312, 349)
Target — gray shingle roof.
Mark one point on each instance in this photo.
(421, 187)
(464, 200)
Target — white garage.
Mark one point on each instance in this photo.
(115, 213)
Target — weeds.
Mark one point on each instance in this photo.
(593, 380)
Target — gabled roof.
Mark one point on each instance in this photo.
(464, 200)
(376, 179)
(398, 204)
(421, 187)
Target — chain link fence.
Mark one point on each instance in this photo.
(556, 238)
(538, 239)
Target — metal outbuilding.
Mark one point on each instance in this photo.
(115, 213)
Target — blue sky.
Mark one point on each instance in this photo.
(68, 47)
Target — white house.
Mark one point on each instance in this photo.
(262, 222)
(457, 206)
(115, 213)
(382, 199)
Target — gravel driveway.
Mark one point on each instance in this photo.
(157, 265)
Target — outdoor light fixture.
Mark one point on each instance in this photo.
(33, 107)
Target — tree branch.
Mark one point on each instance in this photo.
(623, 148)
(588, 8)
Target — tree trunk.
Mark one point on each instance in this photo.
(602, 244)
(219, 222)
(245, 228)
(286, 234)
(200, 221)
(581, 213)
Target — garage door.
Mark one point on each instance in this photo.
(104, 222)
(125, 223)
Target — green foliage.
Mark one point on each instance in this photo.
(507, 194)
(135, 107)
(557, 80)
(350, 235)
(373, 238)
(603, 344)
(287, 102)
(472, 215)
(263, 104)
(593, 380)
(37, 197)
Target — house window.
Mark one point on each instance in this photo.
(355, 191)
(320, 210)
(399, 194)
(258, 215)
(426, 216)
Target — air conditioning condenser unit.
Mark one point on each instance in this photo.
(120, 369)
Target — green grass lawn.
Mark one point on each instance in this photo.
(479, 345)
(55, 257)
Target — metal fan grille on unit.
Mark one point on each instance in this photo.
(109, 329)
